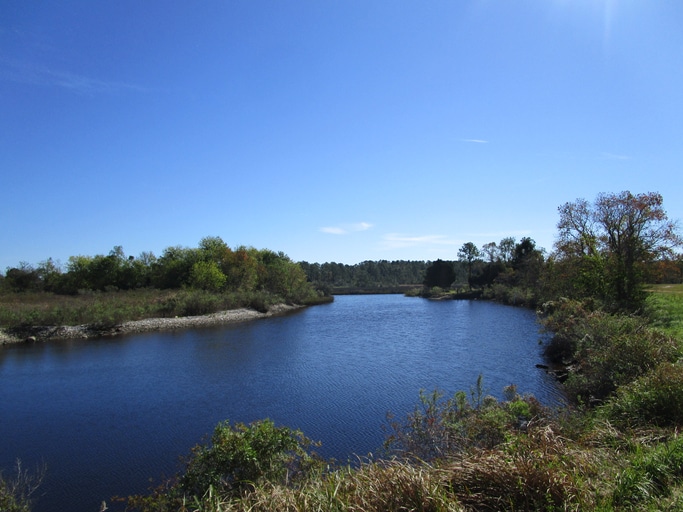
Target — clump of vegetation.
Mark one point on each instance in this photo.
(238, 460)
(16, 490)
(438, 427)
(649, 477)
(465, 453)
(653, 399)
(604, 351)
(104, 291)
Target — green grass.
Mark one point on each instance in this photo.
(665, 308)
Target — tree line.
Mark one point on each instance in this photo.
(367, 275)
(606, 250)
(212, 266)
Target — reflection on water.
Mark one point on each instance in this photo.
(106, 415)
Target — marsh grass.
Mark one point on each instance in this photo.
(27, 309)
(107, 309)
(652, 475)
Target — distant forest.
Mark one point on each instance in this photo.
(367, 275)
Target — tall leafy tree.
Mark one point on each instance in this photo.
(468, 254)
(611, 242)
(440, 273)
(527, 262)
(207, 275)
(506, 248)
(491, 251)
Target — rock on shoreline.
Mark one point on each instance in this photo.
(64, 332)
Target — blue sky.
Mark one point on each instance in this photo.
(332, 130)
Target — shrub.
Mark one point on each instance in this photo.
(616, 351)
(198, 302)
(607, 351)
(438, 428)
(17, 490)
(261, 301)
(243, 456)
(238, 459)
(655, 398)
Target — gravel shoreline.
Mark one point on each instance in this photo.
(65, 332)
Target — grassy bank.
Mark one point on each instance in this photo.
(105, 309)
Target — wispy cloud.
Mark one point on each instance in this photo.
(345, 229)
(399, 241)
(612, 156)
(35, 74)
(476, 141)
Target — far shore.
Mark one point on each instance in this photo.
(66, 332)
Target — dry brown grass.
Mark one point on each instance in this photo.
(539, 470)
(372, 487)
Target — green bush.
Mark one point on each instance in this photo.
(199, 302)
(439, 428)
(240, 458)
(655, 399)
(244, 456)
(261, 301)
(616, 351)
(605, 351)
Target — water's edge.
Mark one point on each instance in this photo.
(64, 332)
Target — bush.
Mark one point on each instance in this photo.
(245, 456)
(606, 351)
(238, 459)
(655, 399)
(16, 491)
(438, 428)
(615, 353)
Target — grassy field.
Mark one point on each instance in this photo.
(665, 307)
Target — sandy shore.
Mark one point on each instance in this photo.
(149, 324)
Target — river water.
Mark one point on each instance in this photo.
(108, 415)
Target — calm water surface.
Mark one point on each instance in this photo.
(107, 415)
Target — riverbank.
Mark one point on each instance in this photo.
(55, 333)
